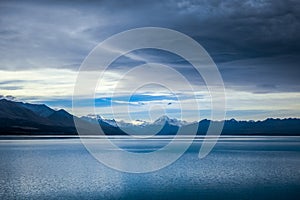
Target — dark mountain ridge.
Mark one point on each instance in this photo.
(18, 118)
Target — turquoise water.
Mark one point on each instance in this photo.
(237, 168)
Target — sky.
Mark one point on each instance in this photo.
(255, 45)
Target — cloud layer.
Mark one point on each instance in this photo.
(255, 44)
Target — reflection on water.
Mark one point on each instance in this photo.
(237, 168)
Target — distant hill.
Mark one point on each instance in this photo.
(270, 126)
(18, 118)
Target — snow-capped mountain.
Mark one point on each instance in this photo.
(18, 118)
(161, 121)
(111, 122)
(92, 118)
(139, 122)
(95, 118)
(172, 121)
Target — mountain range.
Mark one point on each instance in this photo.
(18, 118)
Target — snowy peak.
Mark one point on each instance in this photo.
(172, 121)
(95, 118)
(161, 121)
(22, 118)
(139, 122)
(111, 122)
(92, 118)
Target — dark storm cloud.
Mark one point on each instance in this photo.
(254, 43)
(263, 75)
(229, 30)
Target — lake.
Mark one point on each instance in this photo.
(237, 168)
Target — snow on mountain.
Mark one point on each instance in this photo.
(160, 121)
(111, 122)
(172, 121)
(94, 118)
(139, 122)
(134, 123)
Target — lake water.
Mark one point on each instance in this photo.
(237, 168)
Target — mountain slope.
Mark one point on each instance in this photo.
(19, 118)
(39, 109)
(62, 118)
(15, 111)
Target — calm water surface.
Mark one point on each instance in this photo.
(237, 168)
